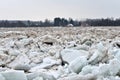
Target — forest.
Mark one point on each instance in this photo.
(61, 22)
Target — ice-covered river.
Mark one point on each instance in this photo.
(60, 53)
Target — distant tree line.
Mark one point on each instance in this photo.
(46, 23)
(61, 22)
(102, 22)
(64, 22)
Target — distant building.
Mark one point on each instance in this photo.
(70, 25)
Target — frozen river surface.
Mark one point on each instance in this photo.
(60, 53)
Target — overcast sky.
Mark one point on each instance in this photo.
(41, 9)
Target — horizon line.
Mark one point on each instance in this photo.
(57, 17)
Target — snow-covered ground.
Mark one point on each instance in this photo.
(60, 53)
